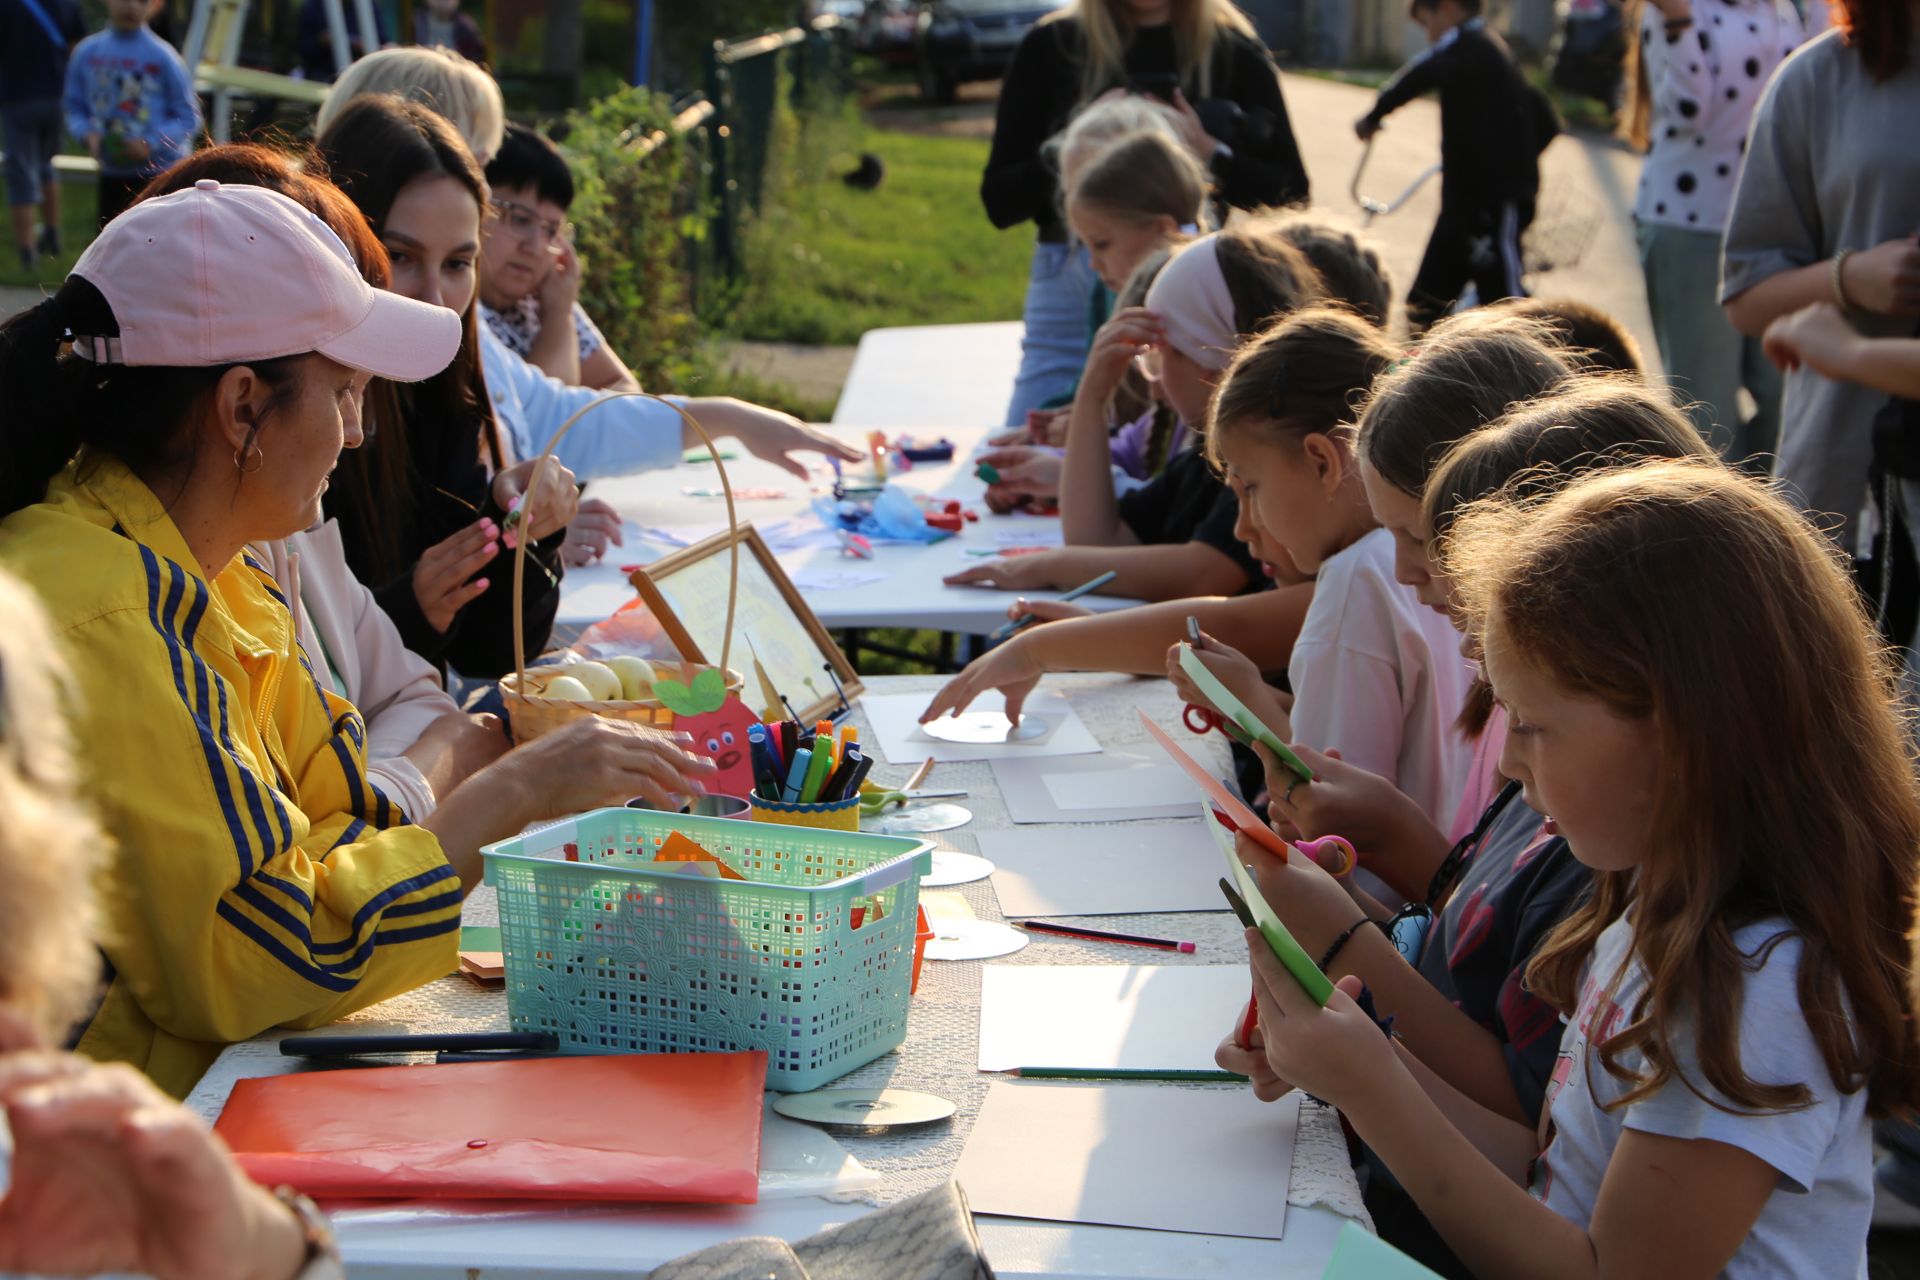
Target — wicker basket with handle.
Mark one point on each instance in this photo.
(533, 714)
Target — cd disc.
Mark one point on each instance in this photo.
(864, 1107)
(973, 940)
(976, 728)
(955, 868)
(919, 820)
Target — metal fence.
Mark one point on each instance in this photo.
(746, 81)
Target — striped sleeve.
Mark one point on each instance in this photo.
(261, 881)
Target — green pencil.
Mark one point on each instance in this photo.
(1126, 1073)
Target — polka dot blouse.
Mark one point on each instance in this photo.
(1705, 82)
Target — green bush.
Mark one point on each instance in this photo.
(637, 218)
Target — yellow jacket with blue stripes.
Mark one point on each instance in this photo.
(259, 879)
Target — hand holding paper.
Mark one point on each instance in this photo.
(1334, 1050)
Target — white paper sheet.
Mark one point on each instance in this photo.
(895, 718)
(1147, 784)
(1215, 1161)
(1104, 871)
(1028, 788)
(1108, 1016)
(811, 579)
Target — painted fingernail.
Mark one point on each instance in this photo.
(481, 583)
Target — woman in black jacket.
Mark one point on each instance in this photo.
(1203, 59)
(420, 505)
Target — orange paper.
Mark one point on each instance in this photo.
(662, 1128)
(677, 848)
(1243, 818)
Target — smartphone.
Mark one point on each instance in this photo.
(1154, 84)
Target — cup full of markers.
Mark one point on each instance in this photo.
(807, 776)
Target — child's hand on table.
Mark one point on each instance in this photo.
(1010, 668)
(1026, 472)
(1040, 571)
(594, 528)
(1335, 1053)
(1043, 611)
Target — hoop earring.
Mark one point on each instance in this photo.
(242, 457)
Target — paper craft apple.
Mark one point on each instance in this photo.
(717, 721)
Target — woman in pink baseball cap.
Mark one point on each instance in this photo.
(187, 392)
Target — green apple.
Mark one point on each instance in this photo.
(568, 688)
(636, 675)
(604, 685)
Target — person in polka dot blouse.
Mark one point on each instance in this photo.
(1698, 76)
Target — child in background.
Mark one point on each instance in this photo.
(1596, 339)
(128, 95)
(1736, 988)
(1487, 902)
(1493, 126)
(1174, 536)
(440, 24)
(1261, 624)
(1374, 675)
(1140, 196)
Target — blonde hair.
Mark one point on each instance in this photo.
(1098, 126)
(50, 845)
(438, 78)
(1141, 177)
(1196, 25)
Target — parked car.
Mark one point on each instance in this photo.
(960, 41)
(886, 29)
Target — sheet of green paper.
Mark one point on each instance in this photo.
(1289, 952)
(480, 937)
(1358, 1254)
(1238, 713)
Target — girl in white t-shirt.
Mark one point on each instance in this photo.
(1375, 674)
(1736, 985)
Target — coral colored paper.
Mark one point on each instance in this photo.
(1244, 818)
(647, 1127)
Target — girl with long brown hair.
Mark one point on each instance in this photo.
(1736, 987)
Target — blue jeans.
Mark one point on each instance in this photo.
(1059, 285)
(31, 132)
(1706, 358)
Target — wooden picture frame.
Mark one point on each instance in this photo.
(686, 592)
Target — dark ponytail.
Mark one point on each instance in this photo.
(52, 402)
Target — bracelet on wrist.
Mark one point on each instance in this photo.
(1840, 298)
(1345, 934)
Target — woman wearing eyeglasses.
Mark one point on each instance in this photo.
(530, 271)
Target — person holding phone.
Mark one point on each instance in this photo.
(1203, 59)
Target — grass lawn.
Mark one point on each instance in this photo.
(77, 214)
(826, 262)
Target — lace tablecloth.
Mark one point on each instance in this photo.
(943, 1025)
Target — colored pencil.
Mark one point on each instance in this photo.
(1027, 619)
(1101, 935)
(1126, 1073)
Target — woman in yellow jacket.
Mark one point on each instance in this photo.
(220, 340)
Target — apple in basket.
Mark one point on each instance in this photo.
(599, 680)
(567, 688)
(636, 675)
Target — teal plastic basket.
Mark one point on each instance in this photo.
(615, 955)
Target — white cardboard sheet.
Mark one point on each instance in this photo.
(1216, 1160)
(1134, 774)
(1108, 1016)
(895, 718)
(1104, 871)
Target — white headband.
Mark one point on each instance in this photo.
(1190, 297)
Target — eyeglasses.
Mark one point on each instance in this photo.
(527, 223)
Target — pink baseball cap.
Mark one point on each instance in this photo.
(218, 275)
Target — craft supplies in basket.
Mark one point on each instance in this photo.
(810, 957)
(529, 711)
